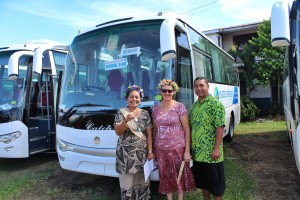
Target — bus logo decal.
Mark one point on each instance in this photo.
(235, 96)
(216, 93)
(91, 126)
(97, 140)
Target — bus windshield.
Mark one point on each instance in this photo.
(12, 91)
(102, 63)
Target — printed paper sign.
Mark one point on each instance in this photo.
(116, 64)
(131, 51)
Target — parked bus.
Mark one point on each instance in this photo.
(28, 100)
(285, 32)
(103, 61)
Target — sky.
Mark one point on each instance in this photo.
(60, 20)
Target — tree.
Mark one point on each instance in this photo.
(247, 68)
(268, 60)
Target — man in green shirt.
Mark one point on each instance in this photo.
(207, 119)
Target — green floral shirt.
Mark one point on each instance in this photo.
(205, 118)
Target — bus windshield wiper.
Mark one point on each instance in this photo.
(71, 110)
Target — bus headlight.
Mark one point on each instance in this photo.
(8, 138)
(64, 146)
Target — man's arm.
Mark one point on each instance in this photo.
(219, 138)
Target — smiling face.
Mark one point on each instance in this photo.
(167, 92)
(133, 99)
(201, 89)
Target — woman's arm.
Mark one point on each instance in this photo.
(149, 143)
(187, 136)
(154, 133)
(121, 127)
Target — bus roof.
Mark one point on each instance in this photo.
(33, 44)
(160, 15)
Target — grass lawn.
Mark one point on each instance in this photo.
(33, 178)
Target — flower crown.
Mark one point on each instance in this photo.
(168, 82)
(136, 88)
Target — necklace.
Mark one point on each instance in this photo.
(137, 124)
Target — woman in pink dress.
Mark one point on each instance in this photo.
(172, 142)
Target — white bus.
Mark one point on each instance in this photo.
(285, 32)
(27, 99)
(103, 61)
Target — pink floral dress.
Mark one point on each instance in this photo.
(169, 149)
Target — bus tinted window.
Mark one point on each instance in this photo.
(59, 58)
(203, 65)
(104, 62)
(182, 41)
(198, 41)
(218, 67)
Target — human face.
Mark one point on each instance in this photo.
(201, 89)
(133, 99)
(167, 92)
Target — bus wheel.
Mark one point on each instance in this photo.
(229, 136)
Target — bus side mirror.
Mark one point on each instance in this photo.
(38, 55)
(280, 25)
(13, 63)
(167, 38)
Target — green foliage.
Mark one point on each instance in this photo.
(248, 70)
(248, 109)
(261, 61)
(269, 60)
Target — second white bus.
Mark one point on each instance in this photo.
(28, 97)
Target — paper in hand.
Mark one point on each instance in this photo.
(148, 167)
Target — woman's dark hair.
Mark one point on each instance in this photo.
(136, 88)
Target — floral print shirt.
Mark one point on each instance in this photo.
(205, 118)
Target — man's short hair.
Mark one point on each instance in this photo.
(201, 78)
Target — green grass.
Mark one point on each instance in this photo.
(40, 176)
(260, 127)
(17, 175)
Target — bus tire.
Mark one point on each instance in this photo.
(229, 136)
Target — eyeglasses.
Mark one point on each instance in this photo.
(164, 91)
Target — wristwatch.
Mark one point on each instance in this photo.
(150, 152)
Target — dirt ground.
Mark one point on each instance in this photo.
(271, 162)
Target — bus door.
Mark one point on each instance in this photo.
(184, 71)
(41, 120)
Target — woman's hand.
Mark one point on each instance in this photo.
(129, 117)
(187, 157)
(150, 155)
